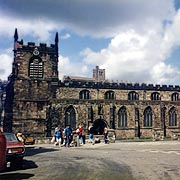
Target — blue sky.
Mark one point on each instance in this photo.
(134, 40)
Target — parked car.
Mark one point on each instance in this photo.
(15, 150)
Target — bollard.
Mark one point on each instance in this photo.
(2, 152)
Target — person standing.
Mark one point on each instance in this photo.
(71, 135)
(105, 135)
(67, 136)
(58, 136)
(91, 133)
(79, 132)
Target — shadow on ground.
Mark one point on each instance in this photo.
(26, 165)
(11, 172)
(15, 176)
(32, 150)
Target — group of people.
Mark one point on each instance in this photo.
(96, 139)
(62, 136)
(65, 137)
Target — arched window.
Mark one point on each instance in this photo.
(122, 117)
(109, 95)
(133, 96)
(35, 68)
(70, 117)
(172, 117)
(155, 96)
(148, 117)
(84, 94)
(175, 97)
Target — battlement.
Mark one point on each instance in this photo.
(116, 85)
(42, 47)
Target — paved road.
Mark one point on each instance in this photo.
(115, 161)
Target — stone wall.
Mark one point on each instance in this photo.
(36, 105)
(97, 97)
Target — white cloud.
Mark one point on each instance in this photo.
(164, 73)
(91, 17)
(6, 66)
(172, 34)
(70, 69)
(135, 57)
(39, 29)
(65, 36)
(144, 33)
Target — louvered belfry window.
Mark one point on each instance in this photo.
(36, 68)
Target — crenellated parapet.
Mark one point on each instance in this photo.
(116, 85)
(30, 46)
(34, 50)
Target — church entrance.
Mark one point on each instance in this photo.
(99, 125)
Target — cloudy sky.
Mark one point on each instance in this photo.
(134, 40)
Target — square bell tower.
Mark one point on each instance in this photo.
(32, 85)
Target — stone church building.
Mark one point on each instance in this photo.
(37, 101)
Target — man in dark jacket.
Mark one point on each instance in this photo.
(67, 135)
(91, 133)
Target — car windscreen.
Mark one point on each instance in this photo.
(10, 137)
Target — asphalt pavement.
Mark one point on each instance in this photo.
(152, 160)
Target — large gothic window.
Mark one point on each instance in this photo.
(148, 117)
(122, 117)
(70, 117)
(109, 95)
(175, 97)
(172, 117)
(35, 68)
(84, 94)
(155, 96)
(133, 96)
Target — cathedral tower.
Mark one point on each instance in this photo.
(33, 83)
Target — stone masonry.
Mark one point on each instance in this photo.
(37, 101)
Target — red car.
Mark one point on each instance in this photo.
(2, 152)
(15, 150)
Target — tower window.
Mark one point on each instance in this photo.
(36, 68)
